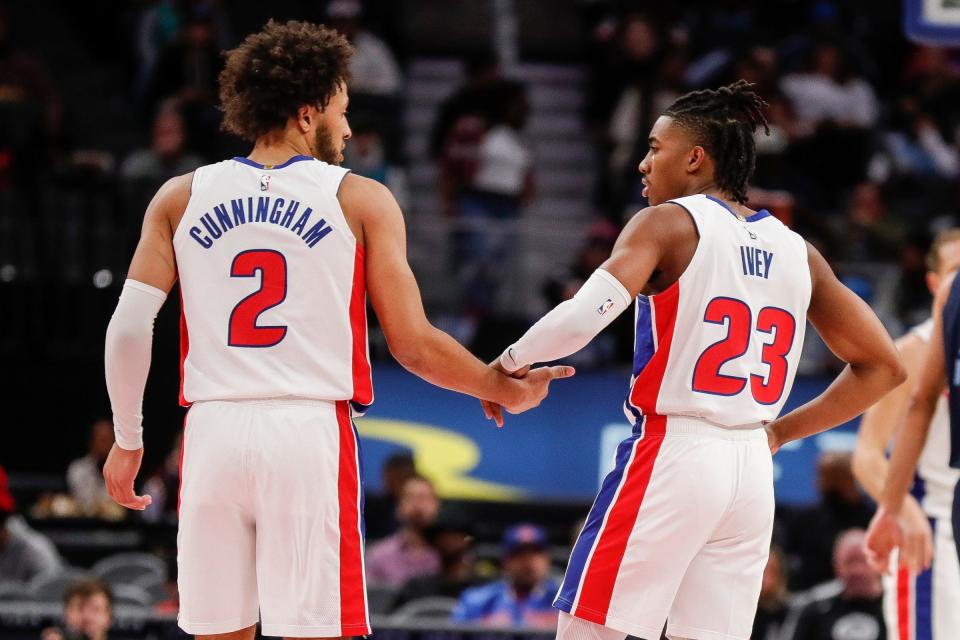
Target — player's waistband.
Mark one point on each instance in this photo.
(271, 402)
(682, 426)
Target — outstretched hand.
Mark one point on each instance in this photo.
(537, 385)
(119, 473)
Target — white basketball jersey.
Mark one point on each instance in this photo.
(272, 286)
(935, 481)
(723, 342)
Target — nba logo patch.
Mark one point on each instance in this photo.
(606, 306)
(264, 182)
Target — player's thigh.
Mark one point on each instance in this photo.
(719, 592)
(216, 537)
(309, 530)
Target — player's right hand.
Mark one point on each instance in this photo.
(119, 473)
(883, 536)
(535, 386)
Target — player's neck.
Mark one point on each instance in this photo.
(275, 149)
(711, 189)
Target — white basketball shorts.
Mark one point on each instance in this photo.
(680, 530)
(271, 520)
(925, 606)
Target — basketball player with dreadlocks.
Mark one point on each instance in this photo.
(680, 531)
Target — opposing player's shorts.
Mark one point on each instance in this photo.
(925, 606)
(271, 520)
(680, 530)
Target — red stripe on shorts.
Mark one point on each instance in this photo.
(362, 384)
(353, 608)
(903, 604)
(184, 349)
(601, 573)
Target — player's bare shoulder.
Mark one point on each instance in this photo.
(170, 202)
(367, 204)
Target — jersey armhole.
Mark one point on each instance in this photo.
(697, 251)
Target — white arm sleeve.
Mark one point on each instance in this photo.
(571, 325)
(127, 358)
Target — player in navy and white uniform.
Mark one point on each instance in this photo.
(276, 254)
(918, 606)
(680, 531)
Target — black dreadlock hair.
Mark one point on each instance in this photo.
(722, 122)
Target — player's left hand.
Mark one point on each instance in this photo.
(119, 473)
(492, 410)
(883, 536)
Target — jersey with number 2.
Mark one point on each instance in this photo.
(272, 286)
(723, 342)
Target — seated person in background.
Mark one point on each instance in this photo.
(857, 611)
(167, 156)
(453, 540)
(24, 553)
(524, 596)
(87, 613)
(773, 607)
(380, 509)
(406, 554)
(85, 475)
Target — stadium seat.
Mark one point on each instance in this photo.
(51, 588)
(433, 608)
(380, 598)
(129, 568)
(132, 595)
(12, 591)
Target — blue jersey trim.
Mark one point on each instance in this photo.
(268, 167)
(759, 215)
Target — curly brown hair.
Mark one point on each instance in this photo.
(277, 70)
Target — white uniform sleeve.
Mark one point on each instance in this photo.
(571, 325)
(127, 358)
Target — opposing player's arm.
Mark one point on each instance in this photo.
(414, 342)
(130, 336)
(573, 323)
(855, 335)
(930, 384)
(870, 462)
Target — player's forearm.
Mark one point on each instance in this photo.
(870, 467)
(853, 392)
(127, 349)
(442, 361)
(906, 452)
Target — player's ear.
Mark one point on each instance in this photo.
(695, 158)
(304, 118)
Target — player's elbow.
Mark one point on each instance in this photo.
(408, 350)
(897, 372)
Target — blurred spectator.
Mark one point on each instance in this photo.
(164, 485)
(407, 554)
(24, 553)
(524, 597)
(373, 68)
(453, 540)
(167, 155)
(773, 607)
(605, 348)
(868, 231)
(87, 612)
(30, 111)
(375, 77)
(915, 146)
(380, 509)
(835, 109)
(856, 613)
(814, 530)
(502, 183)
(472, 99)
(85, 475)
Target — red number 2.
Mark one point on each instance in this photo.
(243, 329)
(774, 321)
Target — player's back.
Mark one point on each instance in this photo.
(723, 342)
(272, 286)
